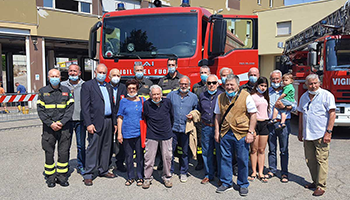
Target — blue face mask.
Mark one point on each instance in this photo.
(212, 92)
(232, 94)
(139, 75)
(223, 79)
(171, 70)
(184, 91)
(54, 81)
(253, 79)
(275, 85)
(73, 78)
(260, 91)
(204, 77)
(156, 102)
(101, 77)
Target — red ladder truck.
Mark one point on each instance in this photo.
(324, 49)
(193, 35)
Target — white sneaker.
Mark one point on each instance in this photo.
(183, 178)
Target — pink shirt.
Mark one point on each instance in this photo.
(261, 105)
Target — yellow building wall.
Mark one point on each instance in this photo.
(267, 65)
(61, 24)
(22, 11)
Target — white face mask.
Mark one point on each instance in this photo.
(115, 80)
(132, 96)
(314, 92)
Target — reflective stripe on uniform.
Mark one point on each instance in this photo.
(51, 106)
(62, 164)
(65, 170)
(70, 101)
(166, 91)
(199, 150)
(50, 166)
(145, 96)
(47, 172)
(40, 102)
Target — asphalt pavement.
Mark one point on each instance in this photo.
(22, 165)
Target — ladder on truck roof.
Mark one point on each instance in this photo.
(338, 21)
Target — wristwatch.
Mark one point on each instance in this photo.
(329, 131)
(251, 132)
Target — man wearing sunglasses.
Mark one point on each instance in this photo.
(206, 105)
(316, 120)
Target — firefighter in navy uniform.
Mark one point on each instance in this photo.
(170, 82)
(55, 109)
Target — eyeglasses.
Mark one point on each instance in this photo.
(212, 83)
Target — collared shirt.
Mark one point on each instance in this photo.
(316, 113)
(159, 118)
(206, 106)
(75, 91)
(199, 88)
(21, 89)
(115, 92)
(274, 95)
(182, 107)
(249, 102)
(104, 91)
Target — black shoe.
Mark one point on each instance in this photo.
(51, 184)
(121, 168)
(63, 183)
(243, 191)
(223, 189)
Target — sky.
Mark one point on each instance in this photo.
(292, 2)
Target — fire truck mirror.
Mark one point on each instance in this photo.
(312, 58)
(93, 39)
(219, 37)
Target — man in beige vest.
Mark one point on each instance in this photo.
(234, 128)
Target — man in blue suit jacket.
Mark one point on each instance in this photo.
(97, 108)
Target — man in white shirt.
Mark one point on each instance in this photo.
(316, 119)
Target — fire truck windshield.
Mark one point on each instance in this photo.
(338, 54)
(150, 36)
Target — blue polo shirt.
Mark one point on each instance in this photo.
(21, 89)
(159, 119)
(182, 107)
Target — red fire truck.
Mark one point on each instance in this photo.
(193, 35)
(324, 49)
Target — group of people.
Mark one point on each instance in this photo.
(20, 105)
(229, 123)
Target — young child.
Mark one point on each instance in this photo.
(287, 98)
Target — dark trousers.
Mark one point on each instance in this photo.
(98, 151)
(182, 140)
(131, 145)
(80, 134)
(49, 139)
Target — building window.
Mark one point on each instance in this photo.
(284, 28)
(85, 7)
(234, 4)
(270, 3)
(67, 5)
(259, 2)
(49, 3)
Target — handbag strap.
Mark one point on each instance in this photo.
(141, 98)
(229, 108)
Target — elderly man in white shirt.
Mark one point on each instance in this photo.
(316, 119)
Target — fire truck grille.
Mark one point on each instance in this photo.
(343, 95)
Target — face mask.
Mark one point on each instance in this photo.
(204, 77)
(100, 77)
(139, 75)
(314, 92)
(275, 85)
(212, 92)
(73, 78)
(223, 79)
(171, 70)
(253, 79)
(131, 96)
(232, 94)
(54, 81)
(156, 102)
(115, 80)
(184, 91)
(260, 91)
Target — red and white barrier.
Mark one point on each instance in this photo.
(18, 98)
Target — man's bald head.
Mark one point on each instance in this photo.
(101, 68)
(114, 72)
(254, 72)
(54, 73)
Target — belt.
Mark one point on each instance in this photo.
(108, 116)
(211, 125)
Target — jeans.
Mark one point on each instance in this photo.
(80, 134)
(183, 141)
(208, 145)
(283, 137)
(228, 144)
